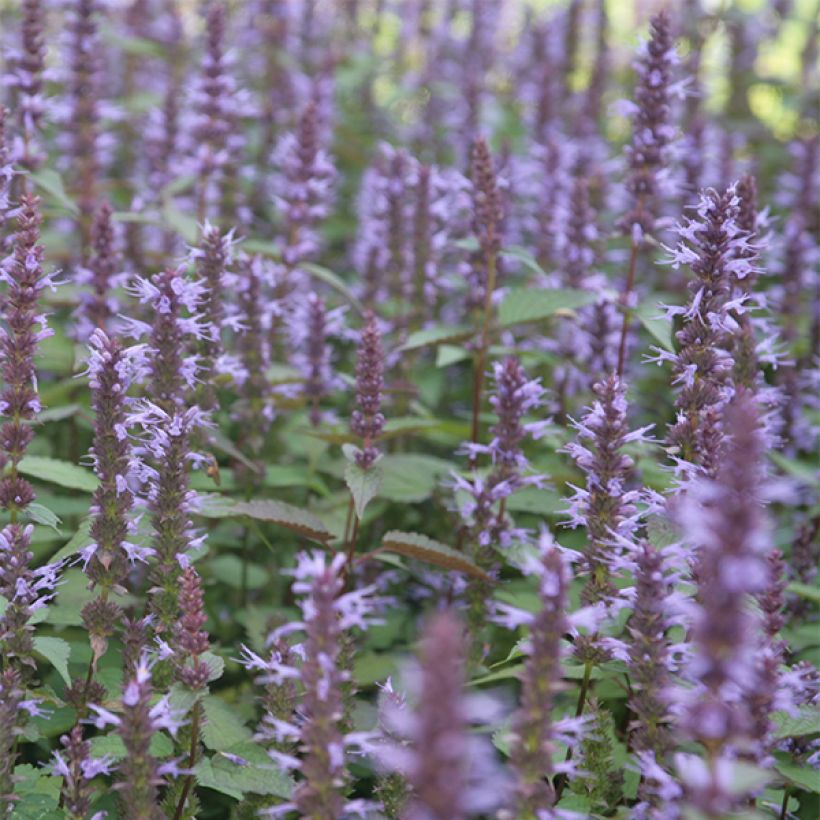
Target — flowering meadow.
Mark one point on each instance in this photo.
(409, 409)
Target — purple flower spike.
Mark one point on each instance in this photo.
(11, 696)
(77, 768)
(535, 733)
(606, 506)
(651, 130)
(23, 327)
(724, 519)
(367, 421)
(452, 773)
(191, 639)
(488, 216)
(7, 172)
(102, 274)
(106, 559)
(25, 77)
(715, 249)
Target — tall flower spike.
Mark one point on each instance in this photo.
(713, 247)
(99, 307)
(82, 122)
(112, 370)
(25, 76)
(605, 506)
(140, 774)
(367, 421)
(7, 174)
(651, 131)
(77, 768)
(216, 140)
(724, 519)
(327, 612)
(19, 338)
(488, 217)
(192, 640)
(212, 258)
(452, 773)
(11, 697)
(534, 731)
(304, 193)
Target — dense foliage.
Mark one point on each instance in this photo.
(409, 409)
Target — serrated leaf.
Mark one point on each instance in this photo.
(215, 664)
(276, 512)
(436, 336)
(57, 652)
(364, 485)
(415, 545)
(806, 722)
(533, 304)
(658, 326)
(802, 776)
(245, 768)
(62, 473)
(48, 180)
(36, 806)
(222, 727)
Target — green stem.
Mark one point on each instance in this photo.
(630, 284)
(189, 780)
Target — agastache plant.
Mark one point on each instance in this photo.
(648, 154)
(23, 328)
(367, 420)
(26, 66)
(535, 732)
(487, 226)
(723, 519)
(78, 768)
(112, 370)
(322, 744)
(451, 772)
(605, 506)
(82, 120)
(102, 274)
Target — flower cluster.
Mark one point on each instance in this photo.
(606, 507)
(367, 421)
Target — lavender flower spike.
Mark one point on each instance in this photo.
(367, 421)
(724, 519)
(535, 734)
(140, 774)
(25, 76)
(77, 768)
(451, 772)
(714, 247)
(605, 506)
(327, 613)
(652, 133)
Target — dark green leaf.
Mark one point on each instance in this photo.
(62, 473)
(419, 546)
(364, 485)
(532, 304)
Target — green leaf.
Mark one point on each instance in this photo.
(532, 304)
(57, 652)
(36, 806)
(538, 501)
(660, 328)
(364, 485)
(450, 354)
(810, 593)
(277, 512)
(436, 336)
(65, 411)
(410, 478)
(48, 180)
(245, 768)
(223, 727)
(336, 282)
(229, 570)
(215, 664)
(80, 539)
(161, 746)
(62, 473)
(180, 222)
(806, 722)
(802, 776)
(524, 256)
(419, 546)
(41, 514)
